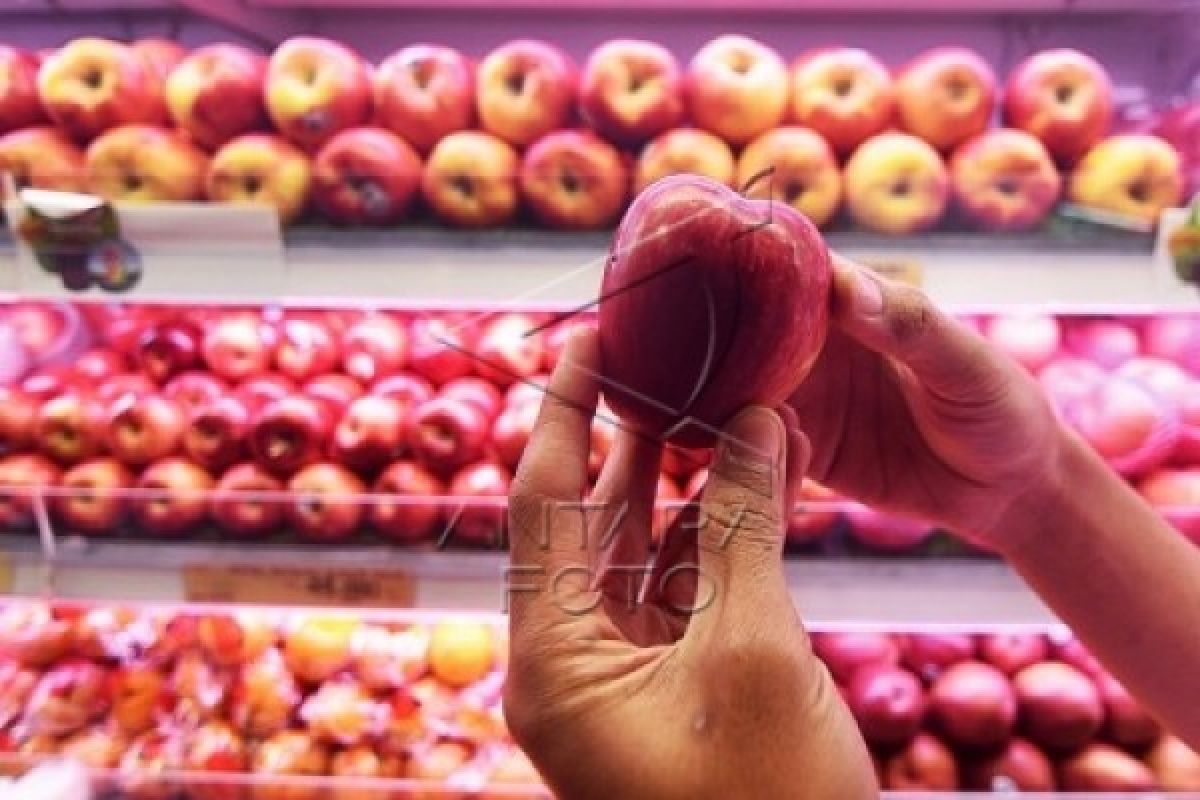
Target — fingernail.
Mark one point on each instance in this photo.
(868, 294)
(759, 431)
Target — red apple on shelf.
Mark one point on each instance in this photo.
(194, 390)
(509, 349)
(41, 327)
(237, 346)
(91, 85)
(946, 95)
(1074, 653)
(737, 88)
(21, 476)
(1175, 338)
(139, 164)
(69, 428)
(440, 349)
(167, 349)
(131, 384)
(1133, 175)
(32, 636)
(897, 184)
(260, 390)
(844, 653)
(842, 93)
(925, 764)
(1005, 180)
(684, 151)
(260, 169)
(139, 430)
(1012, 652)
(93, 500)
(374, 347)
(1060, 707)
(42, 158)
(99, 364)
(704, 271)
(1127, 724)
(334, 391)
(247, 501)
(173, 498)
(49, 382)
(974, 705)
(163, 55)
(18, 412)
(1064, 98)
(1176, 766)
(796, 166)
(425, 92)
(930, 654)
(511, 431)
(446, 433)
(305, 349)
(631, 90)
(477, 391)
(315, 88)
(1020, 767)
(410, 390)
(574, 179)
(1069, 379)
(1032, 340)
(406, 507)
(216, 93)
(1176, 494)
(1127, 424)
(20, 106)
(479, 491)
(370, 433)
(1104, 768)
(290, 433)
(526, 88)
(470, 179)
(365, 176)
(326, 503)
(888, 703)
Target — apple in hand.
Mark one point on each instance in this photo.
(237, 346)
(1020, 766)
(974, 705)
(365, 176)
(315, 88)
(174, 498)
(842, 93)
(526, 88)
(305, 349)
(924, 764)
(684, 151)
(1135, 175)
(215, 434)
(375, 346)
(91, 85)
(737, 88)
(145, 164)
(290, 433)
(21, 476)
(260, 169)
(509, 349)
(946, 95)
(729, 278)
(896, 183)
(406, 507)
(470, 179)
(631, 90)
(370, 433)
(1005, 180)
(326, 502)
(888, 703)
(574, 179)
(20, 106)
(425, 92)
(1063, 97)
(42, 158)
(216, 94)
(139, 430)
(69, 428)
(796, 166)
(447, 433)
(247, 501)
(481, 489)
(92, 502)
(440, 350)
(1061, 708)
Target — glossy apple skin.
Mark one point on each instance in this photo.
(1104, 768)
(631, 90)
(43, 158)
(18, 410)
(374, 347)
(306, 349)
(508, 350)
(1012, 652)
(180, 499)
(1005, 180)
(425, 92)
(21, 476)
(1033, 101)
(479, 523)
(930, 654)
(20, 106)
(216, 93)
(193, 390)
(925, 764)
(370, 434)
(441, 350)
(89, 504)
(720, 285)
(289, 434)
(316, 87)
(261, 169)
(888, 703)
(470, 180)
(736, 87)
(974, 705)
(142, 164)
(845, 119)
(1060, 706)
(247, 501)
(447, 433)
(684, 151)
(365, 176)
(1020, 766)
(478, 391)
(844, 653)
(946, 95)
(539, 99)
(143, 429)
(69, 428)
(418, 515)
(327, 503)
(168, 348)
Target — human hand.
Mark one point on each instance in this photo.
(696, 680)
(909, 410)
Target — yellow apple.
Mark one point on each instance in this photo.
(896, 183)
(261, 169)
(1133, 174)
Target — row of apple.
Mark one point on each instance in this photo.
(288, 692)
(331, 153)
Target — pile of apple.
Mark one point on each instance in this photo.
(146, 693)
(314, 127)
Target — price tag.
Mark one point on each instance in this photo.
(304, 586)
(899, 270)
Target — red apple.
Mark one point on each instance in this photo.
(479, 490)
(93, 500)
(365, 176)
(574, 179)
(132, 384)
(509, 349)
(1012, 652)
(631, 90)
(20, 106)
(41, 326)
(334, 391)
(90, 85)
(238, 346)
(845, 653)
(263, 389)
(99, 364)
(140, 164)
(1060, 707)
(1174, 338)
(1104, 768)
(706, 273)
(305, 349)
(526, 88)
(69, 428)
(42, 158)
(259, 169)
(737, 88)
(1032, 340)
(327, 502)
(21, 478)
(794, 165)
(46, 383)
(140, 430)
(406, 507)
(888, 703)
(1128, 425)
(974, 705)
(842, 93)
(946, 95)
(32, 636)
(290, 433)
(511, 430)
(1175, 765)
(247, 501)
(1127, 724)
(175, 497)
(924, 764)
(216, 94)
(1068, 380)
(193, 390)
(930, 654)
(1064, 98)
(425, 92)
(18, 413)
(1105, 342)
(69, 695)
(447, 433)
(373, 347)
(215, 436)
(1176, 494)
(685, 151)
(370, 433)
(404, 387)
(1019, 767)
(478, 392)
(315, 88)
(167, 349)
(440, 350)
(1005, 180)
(470, 179)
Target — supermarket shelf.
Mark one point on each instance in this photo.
(858, 591)
(939, 6)
(1064, 270)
